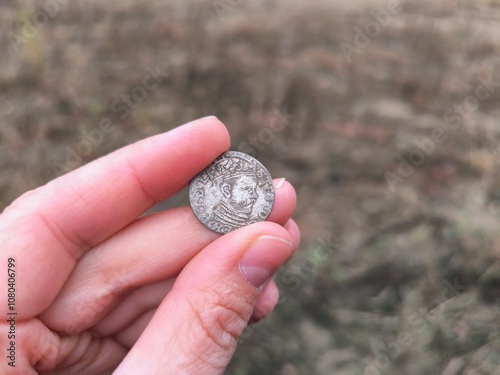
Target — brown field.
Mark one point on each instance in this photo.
(398, 277)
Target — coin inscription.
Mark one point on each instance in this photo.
(234, 191)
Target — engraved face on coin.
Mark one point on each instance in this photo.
(234, 191)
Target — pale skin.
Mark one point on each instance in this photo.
(100, 290)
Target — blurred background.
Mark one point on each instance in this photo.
(383, 114)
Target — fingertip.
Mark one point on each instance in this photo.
(266, 303)
(217, 126)
(294, 231)
(285, 200)
(284, 187)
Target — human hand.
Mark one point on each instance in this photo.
(98, 288)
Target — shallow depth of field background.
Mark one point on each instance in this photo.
(391, 278)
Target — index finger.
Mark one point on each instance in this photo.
(50, 228)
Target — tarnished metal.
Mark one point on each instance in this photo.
(234, 191)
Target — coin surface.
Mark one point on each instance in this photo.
(234, 191)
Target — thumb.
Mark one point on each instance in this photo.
(196, 328)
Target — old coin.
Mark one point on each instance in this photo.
(234, 191)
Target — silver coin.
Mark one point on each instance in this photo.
(234, 191)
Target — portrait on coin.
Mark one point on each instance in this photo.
(238, 196)
(234, 191)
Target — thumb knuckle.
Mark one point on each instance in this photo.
(219, 317)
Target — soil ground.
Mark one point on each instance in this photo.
(380, 117)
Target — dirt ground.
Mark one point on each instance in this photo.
(384, 117)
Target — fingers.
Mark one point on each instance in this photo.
(130, 334)
(196, 327)
(127, 321)
(136, 323)
(285, 200)
(133, 306)
(152, 249)
(266, 302)
(50, 228)
(292, 228)
(44, 352)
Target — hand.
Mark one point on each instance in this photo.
(98, 288)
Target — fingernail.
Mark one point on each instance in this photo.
(280, 183)
(209, 117)
(263, 258)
